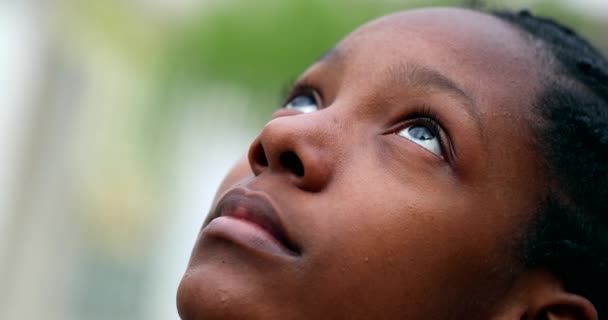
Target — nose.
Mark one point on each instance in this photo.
(298, 147)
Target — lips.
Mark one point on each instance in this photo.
(249, 219)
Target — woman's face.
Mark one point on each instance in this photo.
(395, 183)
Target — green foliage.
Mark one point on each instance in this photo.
(260, 47)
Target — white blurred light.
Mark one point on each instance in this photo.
(22, 53)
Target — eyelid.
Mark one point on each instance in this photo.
(426, 116)
(303, 88)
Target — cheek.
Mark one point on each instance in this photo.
(421, 242)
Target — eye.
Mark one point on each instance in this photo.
(425, 135)
(304, 103)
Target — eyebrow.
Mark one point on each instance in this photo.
(412, 75)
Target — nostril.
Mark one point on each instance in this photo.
(291, 161)
(259, 156)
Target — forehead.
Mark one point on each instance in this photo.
(487, 58)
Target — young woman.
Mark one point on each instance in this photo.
(436, 164)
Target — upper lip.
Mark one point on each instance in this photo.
(258, 209)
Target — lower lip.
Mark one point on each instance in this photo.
(245, 234)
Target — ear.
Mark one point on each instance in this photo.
(538, 295)
(562, 305)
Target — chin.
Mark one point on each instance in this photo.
(203, 295)
(215, 291)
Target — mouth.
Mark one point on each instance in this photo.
(250, 220)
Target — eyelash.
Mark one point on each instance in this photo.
(425, 114)
(428, 116)
(300, 88)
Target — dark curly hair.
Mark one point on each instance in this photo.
(571, 232)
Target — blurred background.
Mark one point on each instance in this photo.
(118, 119)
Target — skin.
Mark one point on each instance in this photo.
(387, 229)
